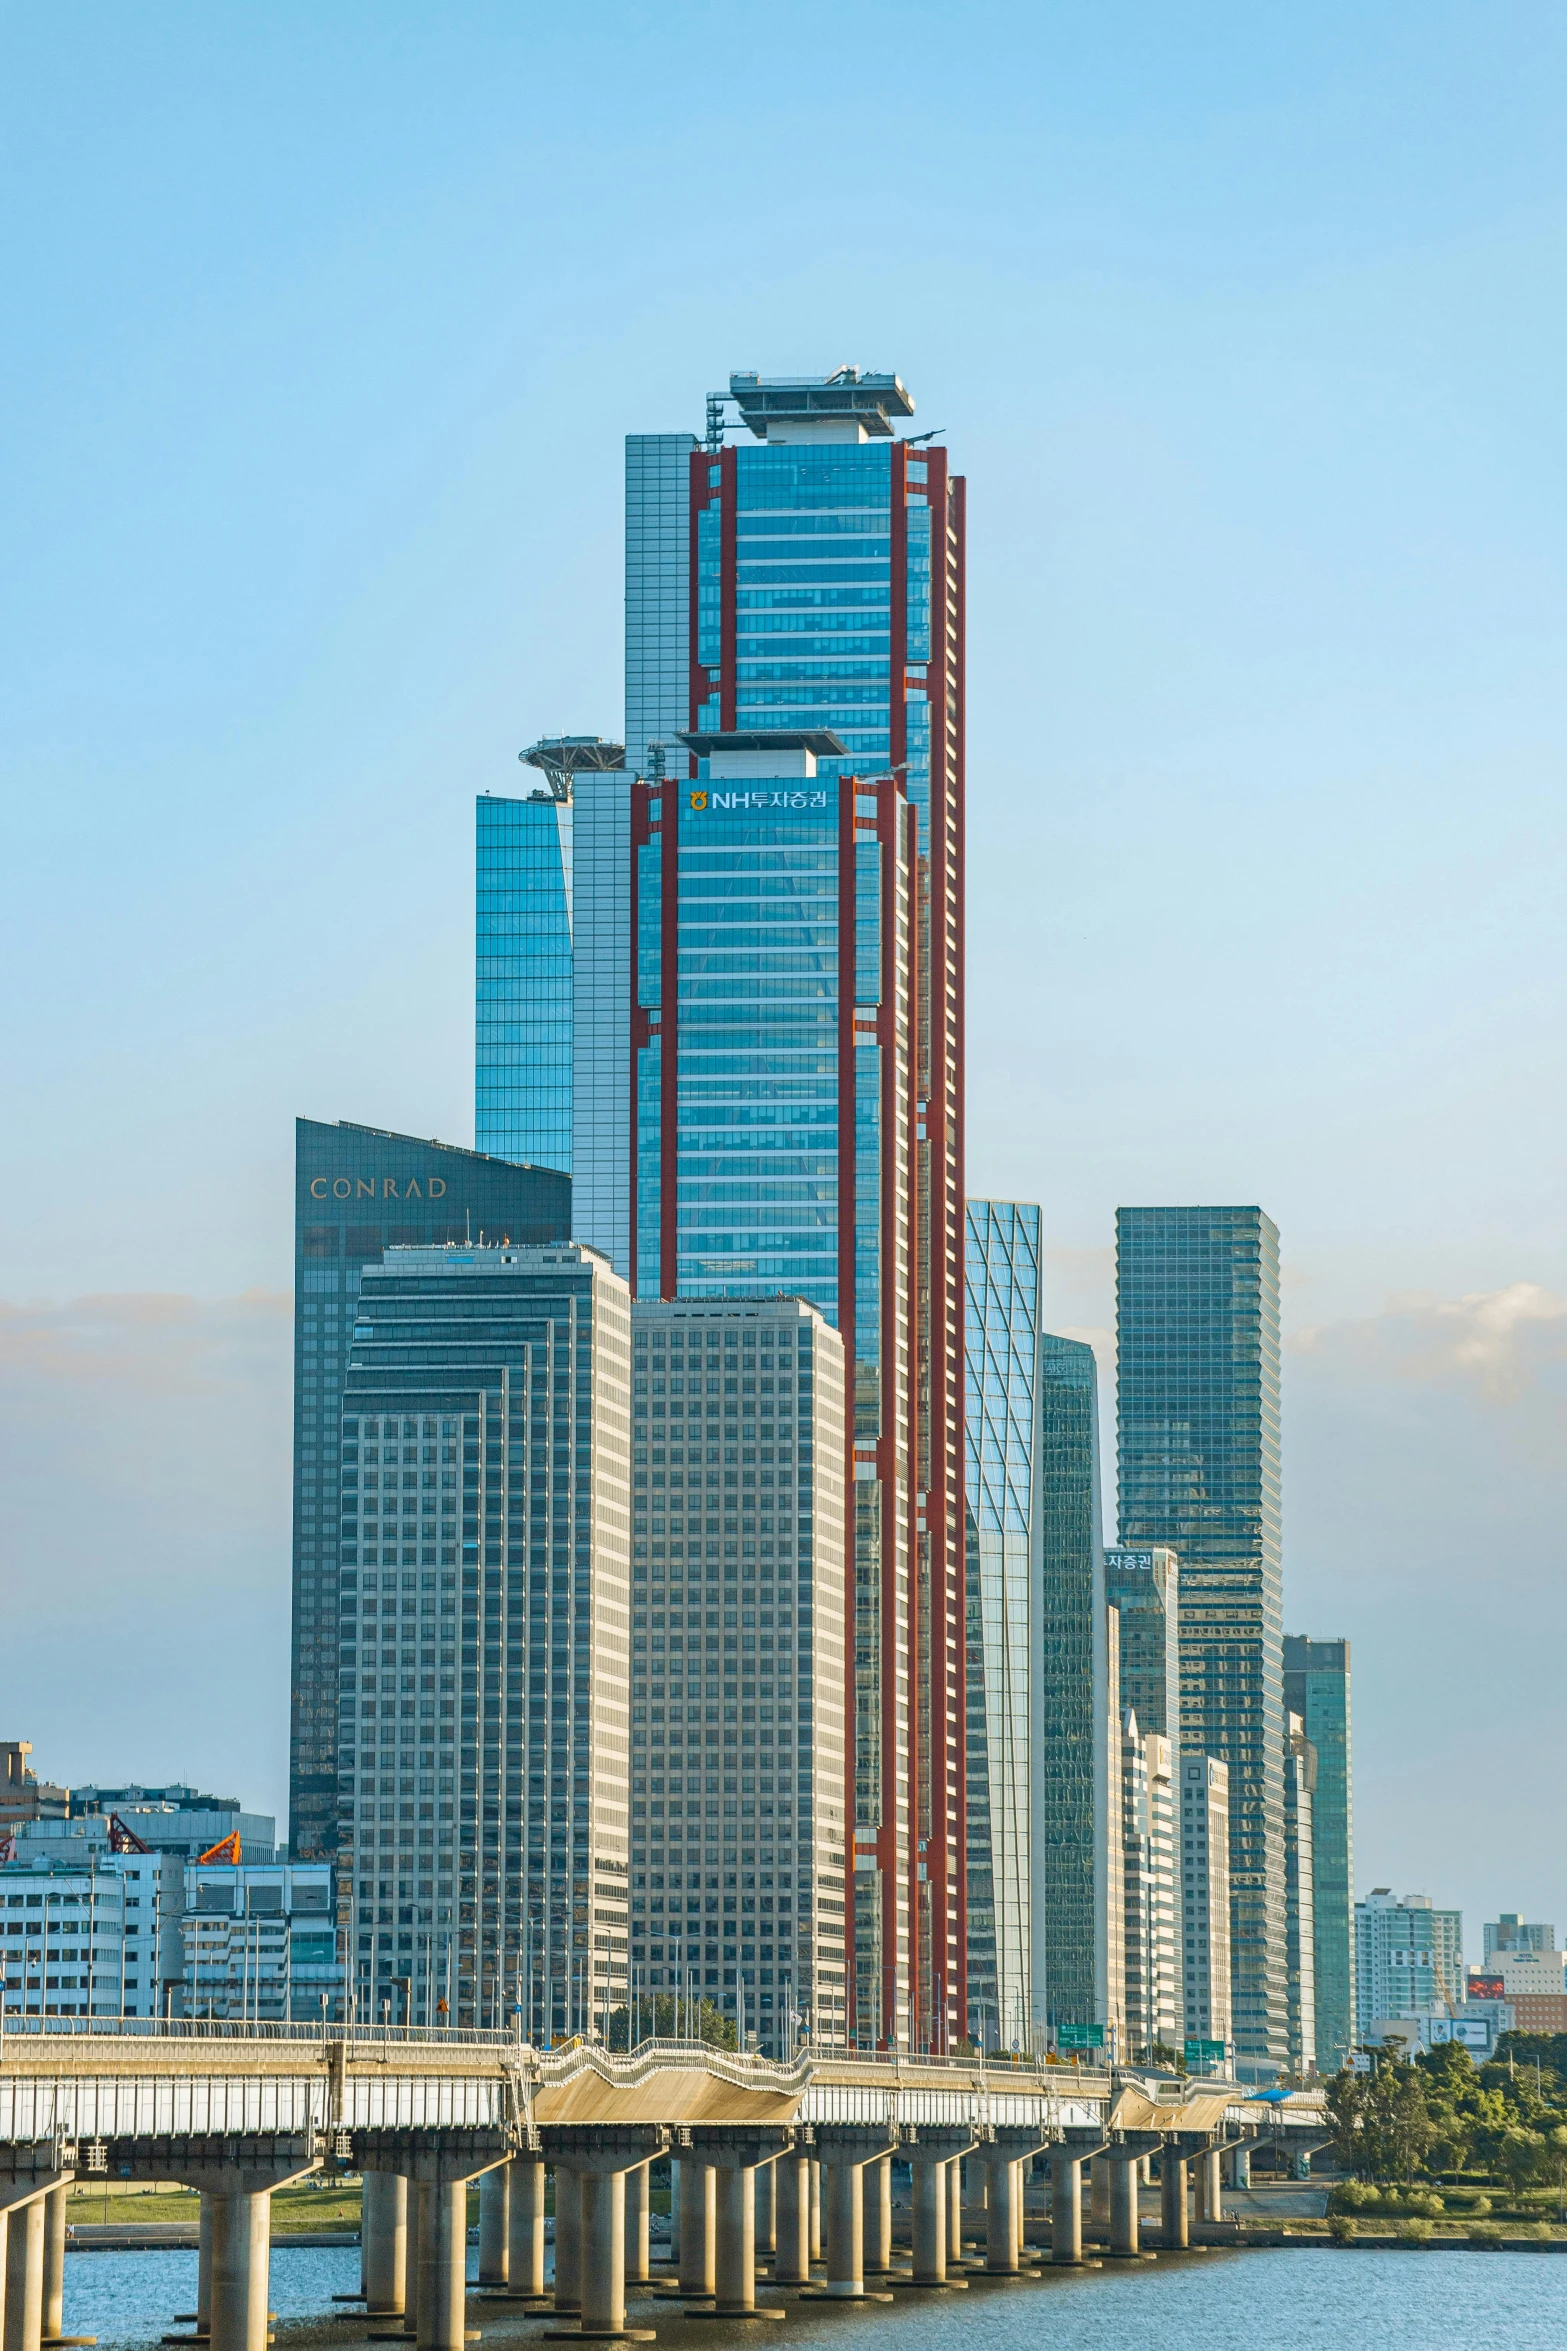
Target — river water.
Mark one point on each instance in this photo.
(1308, 2301)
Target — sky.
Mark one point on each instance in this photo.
(323, 329)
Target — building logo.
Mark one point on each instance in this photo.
(699, 801)
(373, 1188)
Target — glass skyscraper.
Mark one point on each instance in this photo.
(795, 619)
(357, 1191)
(1198, 1391)
(1146, 1587)
(523, 961)
(484, 1757)
(1316, 1687)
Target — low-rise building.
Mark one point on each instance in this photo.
(180, 1819)
(23, 1796)
(1530, 1978)
(260, 1942)
(87, 1932)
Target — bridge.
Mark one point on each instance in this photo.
(238, 2111)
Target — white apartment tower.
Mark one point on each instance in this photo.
(1205, 1898)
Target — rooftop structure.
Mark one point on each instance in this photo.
(844, 406)
(561, 757)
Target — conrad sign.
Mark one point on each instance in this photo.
(377, 1188)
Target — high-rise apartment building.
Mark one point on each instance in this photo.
(1205, 1899)
(484, 1743)
(1316, 1687)
(1300, 1787)
(1151, 1922)
(1145, 1586)
(1516, 1937)
(522, 958)
(1198, 1388)
(738, 1663)
(1409, 1958)
(358, 1190)
(1006, 1614)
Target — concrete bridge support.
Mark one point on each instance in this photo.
(817, 2233)
(936, 2159)
(383, 2233)
(733, 2158)
(792, 2219)
(54, 2264)
(568, 2239)
(1099, 2195)
(1125, 2179)
(1067, 2159)
(24, 2275)
(1208, 2197)
(602, 2271)
(877, 2191)
(411, 2258)
(241, 2259)
(525, 2237)
(1003, 2216)
(698, 2205)
(495, 2226)
(590, 2185)
(955, 2209)
(845, 2151)
(637, 2203)
(766, 2209)
(1174, 2229)
(1240, 2167)
(443, 2260)
(204, 2268)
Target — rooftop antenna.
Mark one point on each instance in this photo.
(655, 761)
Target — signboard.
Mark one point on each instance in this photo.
(1080, 2036)
(1205, 2052)
(1358, 2061)
(1486, 1987)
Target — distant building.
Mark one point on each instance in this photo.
(1144, 1584)
(357, 1191)
(1515, 1936)
(1300, 1784)
(1317, 1688)
(1529, 1976)
(1408, 1958)
(1205, 1898)
(23, 1796)
(1477, 2025)
(87, 1932)
(738, 1656)
(179, 1819)
(1150, 1917)
(261, 1943)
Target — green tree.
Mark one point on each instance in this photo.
(660, 2019)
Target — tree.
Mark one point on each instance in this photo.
(1382, 2127)
(662, 2020)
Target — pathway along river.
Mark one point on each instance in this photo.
(1316, 2301)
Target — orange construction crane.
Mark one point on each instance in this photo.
(225, 1850)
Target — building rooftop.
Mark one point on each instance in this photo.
(560, 757)
(819, 740)
(846, 397)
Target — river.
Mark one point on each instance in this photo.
(1316, 2301)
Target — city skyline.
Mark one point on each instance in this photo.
(318, 604)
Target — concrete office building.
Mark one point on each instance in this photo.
(1409, 1958)
(358, 1190)
(179, 1819)
(1528, 1974)
(822, 564)
(483, 1786)
(87, 1932)
(261, 1942)
(1205, 1901)
(23, 1796)
(1151, 1921)
(738, 1830)
(1300, 1785)
(1198, 1387)
(1515, 1936)
(1317, 1688)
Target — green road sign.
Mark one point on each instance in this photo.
(1080, 2036)
(1205, 2052)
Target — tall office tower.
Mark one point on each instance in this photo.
(523, 962)
(466, 1879)
(1007, 1628)
(1205, 1901)
(1075, 1712)
(1151, 1913)
(738, 1663)
(1316, 1687)
(1409, 1958)
(358, 1190)
(822, 610)
(1300, 1786)
(1198, 1387)
(1145, 1587)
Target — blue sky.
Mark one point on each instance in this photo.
(323, 328)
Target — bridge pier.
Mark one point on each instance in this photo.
(1209, 2198)
(1240, 2166)
(955, 2209)
(846, 2149)
(936, 2158)
(54, 2265)
(24, 2275)
(698, 2209)
(816, 2208)
(1099, 2195)
(525, 2237)
(733, 2158)
(568, 2240)
(792, 2219)
(877, 2191)
(591, 2163)
(1125, 2161)
(441, 2317)
(204, 2270)
(637, 2200)
(495, 2226)
(766, 2208)
(241, 2259)
(1172, 2200)
(1003, 2156)
(383, 2235)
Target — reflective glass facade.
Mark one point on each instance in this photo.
(358, 1190)
(1316, 1687)
(1145, 1586)
(483, 1765)
(523, 1004)
(1001, 1330)
(1198, 1388)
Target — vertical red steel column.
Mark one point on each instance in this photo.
(669, 1044)
(845, 1162)
(641, 1023)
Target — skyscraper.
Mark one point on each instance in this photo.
(358, 1190)
(818, 604)
(1198, 1388)
(1409, 1958)
(466, 1879)
(1145, 1586)
(1006, 1609)
(1316, 1687)
(738, 1662)
(1300, 1787)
